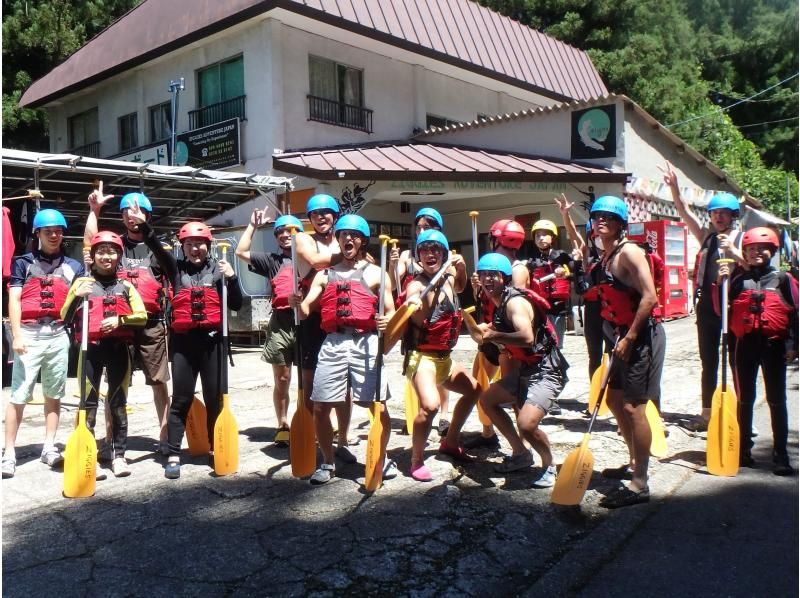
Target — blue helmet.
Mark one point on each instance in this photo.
(611, 204)
(430, 213)
(589, 227)
(724, 201)
(138, 198)
(48, 217)
(352, 222)
(433, 236)
(285, 221)
(322, 201)
(494, 262)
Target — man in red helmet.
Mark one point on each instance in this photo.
(141, 269)
(115, 308)
(763, 318)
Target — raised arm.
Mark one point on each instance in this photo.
(693, 223)
(96, 202)
(564, 206)
(307, 250)
(257, 218)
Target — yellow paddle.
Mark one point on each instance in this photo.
(594, 388)
(197, 428)
(80, 452)
(302, 438)
(376, 451)
(576, 472)
(722, 446)
(411, 406)
(226, 430)
(658, 444)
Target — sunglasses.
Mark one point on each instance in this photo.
(604, 216)
(319, 212)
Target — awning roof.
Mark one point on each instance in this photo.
(423, 161)
(178, 193)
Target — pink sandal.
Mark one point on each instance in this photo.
(421, 473)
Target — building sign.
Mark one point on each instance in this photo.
(594, 133)
(156, 153)
(478, 186)
(213, 147)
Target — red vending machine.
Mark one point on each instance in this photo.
(668, 239)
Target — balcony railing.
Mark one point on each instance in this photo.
(90, 150)
(336, 113)
(214, 113)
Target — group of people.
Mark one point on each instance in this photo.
(331, 303)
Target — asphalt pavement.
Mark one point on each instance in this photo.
(469, 532)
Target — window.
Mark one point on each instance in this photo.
(128, 127)
(160, 122)
(83, 132)
(220, 93)
(337, 94)
(432, 120)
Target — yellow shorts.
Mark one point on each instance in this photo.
(442, 367)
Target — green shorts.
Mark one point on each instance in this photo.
(48, 355)
(279, 347)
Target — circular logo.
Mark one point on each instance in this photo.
(181, 154)
(595, 124)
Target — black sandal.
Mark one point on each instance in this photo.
(625, 497)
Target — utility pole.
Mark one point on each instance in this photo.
(175, 87)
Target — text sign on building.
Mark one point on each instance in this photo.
(594, 133)
(213, 147)
(153, 154)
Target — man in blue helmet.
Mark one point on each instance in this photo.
(347, 296)
(631, 316)
(279, 347)
(721, 236)
(39, 285)
(139, 267)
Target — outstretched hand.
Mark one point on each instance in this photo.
(259, 218)
(564, 205)
(670, 178)
(97, 199)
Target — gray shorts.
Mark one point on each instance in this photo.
(279, 348)
(348, 361)
(536, 384)
(47, 355)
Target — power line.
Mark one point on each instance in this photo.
(726, 108)
(767, 122)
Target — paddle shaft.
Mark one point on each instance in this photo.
(725, 280)
(474, 216)
(224, 370)
(396, 268)
(297, 350)
(602, 393)
(381, 307)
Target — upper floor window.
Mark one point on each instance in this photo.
(337, 94)
(160, 121)
(431, 120)
(83, 132)
(220, 93)
(128, 126)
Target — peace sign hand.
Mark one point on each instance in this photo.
(135, 213)
(97, 199)
(564, 205)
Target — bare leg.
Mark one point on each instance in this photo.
(492, 401)
(282, 375)
(13, 419)
(322, 424)
(52, 411)
(641, 437)
(428, 393)
(343, 412)
(528, 421)
(468, 388)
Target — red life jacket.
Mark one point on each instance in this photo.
(139, 274)
(546, 338)
(619, 302)
(701, 262)
(762, 308)
(282, 284)
(43, 295)
(555, 290)
(196, 303)
(487, 308)
(348, 303)
(105, 302)
(441, 328)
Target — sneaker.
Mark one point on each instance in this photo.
(555, 409)
(782, 466)
(99, 473)
(120, 468)
(52, 457)
(443, 427)
(390, 470)
(515, 462)
(345, 456)
(455, 452)
(9, 466)
(421, 473)
(172, 471)
(547, 479)
(323, 475)
(492, 442)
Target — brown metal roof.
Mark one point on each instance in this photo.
(422, 161)
(459, 32)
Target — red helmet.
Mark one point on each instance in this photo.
(761, 234)
(497, 227)
(106, 236)
(509, 233)
(194, 229)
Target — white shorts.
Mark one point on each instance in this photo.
(348, 361)
(48, 355)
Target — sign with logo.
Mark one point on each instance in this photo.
(156, 153)
(213, 147)
(594, 133)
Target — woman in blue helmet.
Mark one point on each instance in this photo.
(279, 347)
(347, 295)
(40, 281)
(721, 236)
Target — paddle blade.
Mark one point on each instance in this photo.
(197, 428)
(658, 444)
(576, 472)
(376, 453)
(80, 461)
(483, 381)
(722, 446)
(302, 440)
(596, 385)
(226, 441)
(397, 325)
(411, 406)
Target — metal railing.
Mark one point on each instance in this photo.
(214, 113)
(336, 113)
(90, 150)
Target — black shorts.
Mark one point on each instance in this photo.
(310, 335)
(639, 378)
